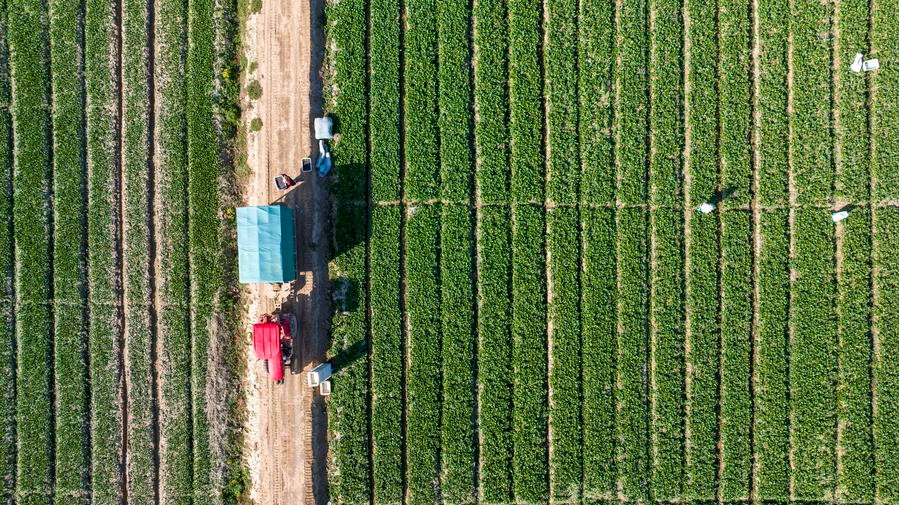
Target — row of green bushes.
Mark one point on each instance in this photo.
(387, 357)
(886, 337)
(811, 151)
(457, 297)
(7, 320)
(350, 478)
(771, 435)
(702, 256)
(494, 359)
(813, 354)
(735, 319)
(423, 378)
(565, 397)
(599, 335)
(137, 191)
(856, 470)
(884, 39)
(204, 205)
(72, 463)
(27, 32)
(526, 108)
(176, 413)
(529, 351)
(667, 231)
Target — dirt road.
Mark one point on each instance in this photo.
(287, 434)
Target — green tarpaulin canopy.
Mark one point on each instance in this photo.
(265, 244)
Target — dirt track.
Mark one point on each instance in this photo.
(286, 422)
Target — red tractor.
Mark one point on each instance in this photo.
(275, 342)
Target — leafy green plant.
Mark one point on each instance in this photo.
(457, 451)
(494, 356)
(419, 97)
(771, 430)
(812, 359)
(422, 296)
(526, 105)
(599, 321)
(529, 355)
(563, 249)
(387, 353)
(254, 90)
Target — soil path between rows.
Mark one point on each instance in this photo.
(286, 437)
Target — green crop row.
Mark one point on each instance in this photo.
(631, 414)
(491, 97)
(736, 331)
(422, 295)
(457, 452)
(420, 110)
(494, 353)
(454, 100)
(812, 355)
(204, 224)
(734, 106)
(7, 374)
(529, 355)
(34, 359)
(104, 320)
(175, 420)
(810, 145)
(884, 366)
(884, 39)
(885, 174)
(348, 419)
(7, 318)
(563, 252)
(667, 362)
(345, 27)
(387, 355)
(850, 100)
(136, 190)
(702, 253)
(350, 478)
(771, 105)
(631, 125)
(387, 359)
(384, 102)
(855, 477)
(525, 101)
(561, 75)
(33, 407)
(701, 357)
(72, 444)
(599, 335)
(665, 122)
(771, 430)
(667, 306)
(596, 46)
(700, 112)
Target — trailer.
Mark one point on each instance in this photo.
(275, 343)
(266, 249)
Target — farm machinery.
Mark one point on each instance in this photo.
(276, 343)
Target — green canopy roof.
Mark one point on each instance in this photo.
(265, 244)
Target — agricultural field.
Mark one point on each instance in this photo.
(114, 292)
(530, 309)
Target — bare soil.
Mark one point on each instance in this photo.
(287, 436)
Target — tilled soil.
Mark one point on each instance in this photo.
(286, 437)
